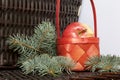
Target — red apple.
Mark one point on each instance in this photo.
(77, 30)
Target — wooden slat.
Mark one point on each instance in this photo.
(18, 75)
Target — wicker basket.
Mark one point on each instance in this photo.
(79, 49)
(20, 16)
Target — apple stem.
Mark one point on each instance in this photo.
(82, 31)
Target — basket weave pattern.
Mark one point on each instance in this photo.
(79, 52)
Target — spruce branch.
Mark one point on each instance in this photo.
(36, 52)
(66, 63)
(42, 41)
(46, 65)
(17, 42)
(106, 63)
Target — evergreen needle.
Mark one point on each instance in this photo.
(37, 52)
(106, 63)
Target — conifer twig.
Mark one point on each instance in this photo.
(15, 41)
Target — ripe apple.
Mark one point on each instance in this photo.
(77, 30)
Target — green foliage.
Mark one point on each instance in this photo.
(66, 63)
(106, 63)
(37, 52)
(42, 41)
(47, 65)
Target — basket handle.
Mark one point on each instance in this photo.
(57, 18)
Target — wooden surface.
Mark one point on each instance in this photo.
(18, 75)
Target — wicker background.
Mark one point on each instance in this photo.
(20, 16)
